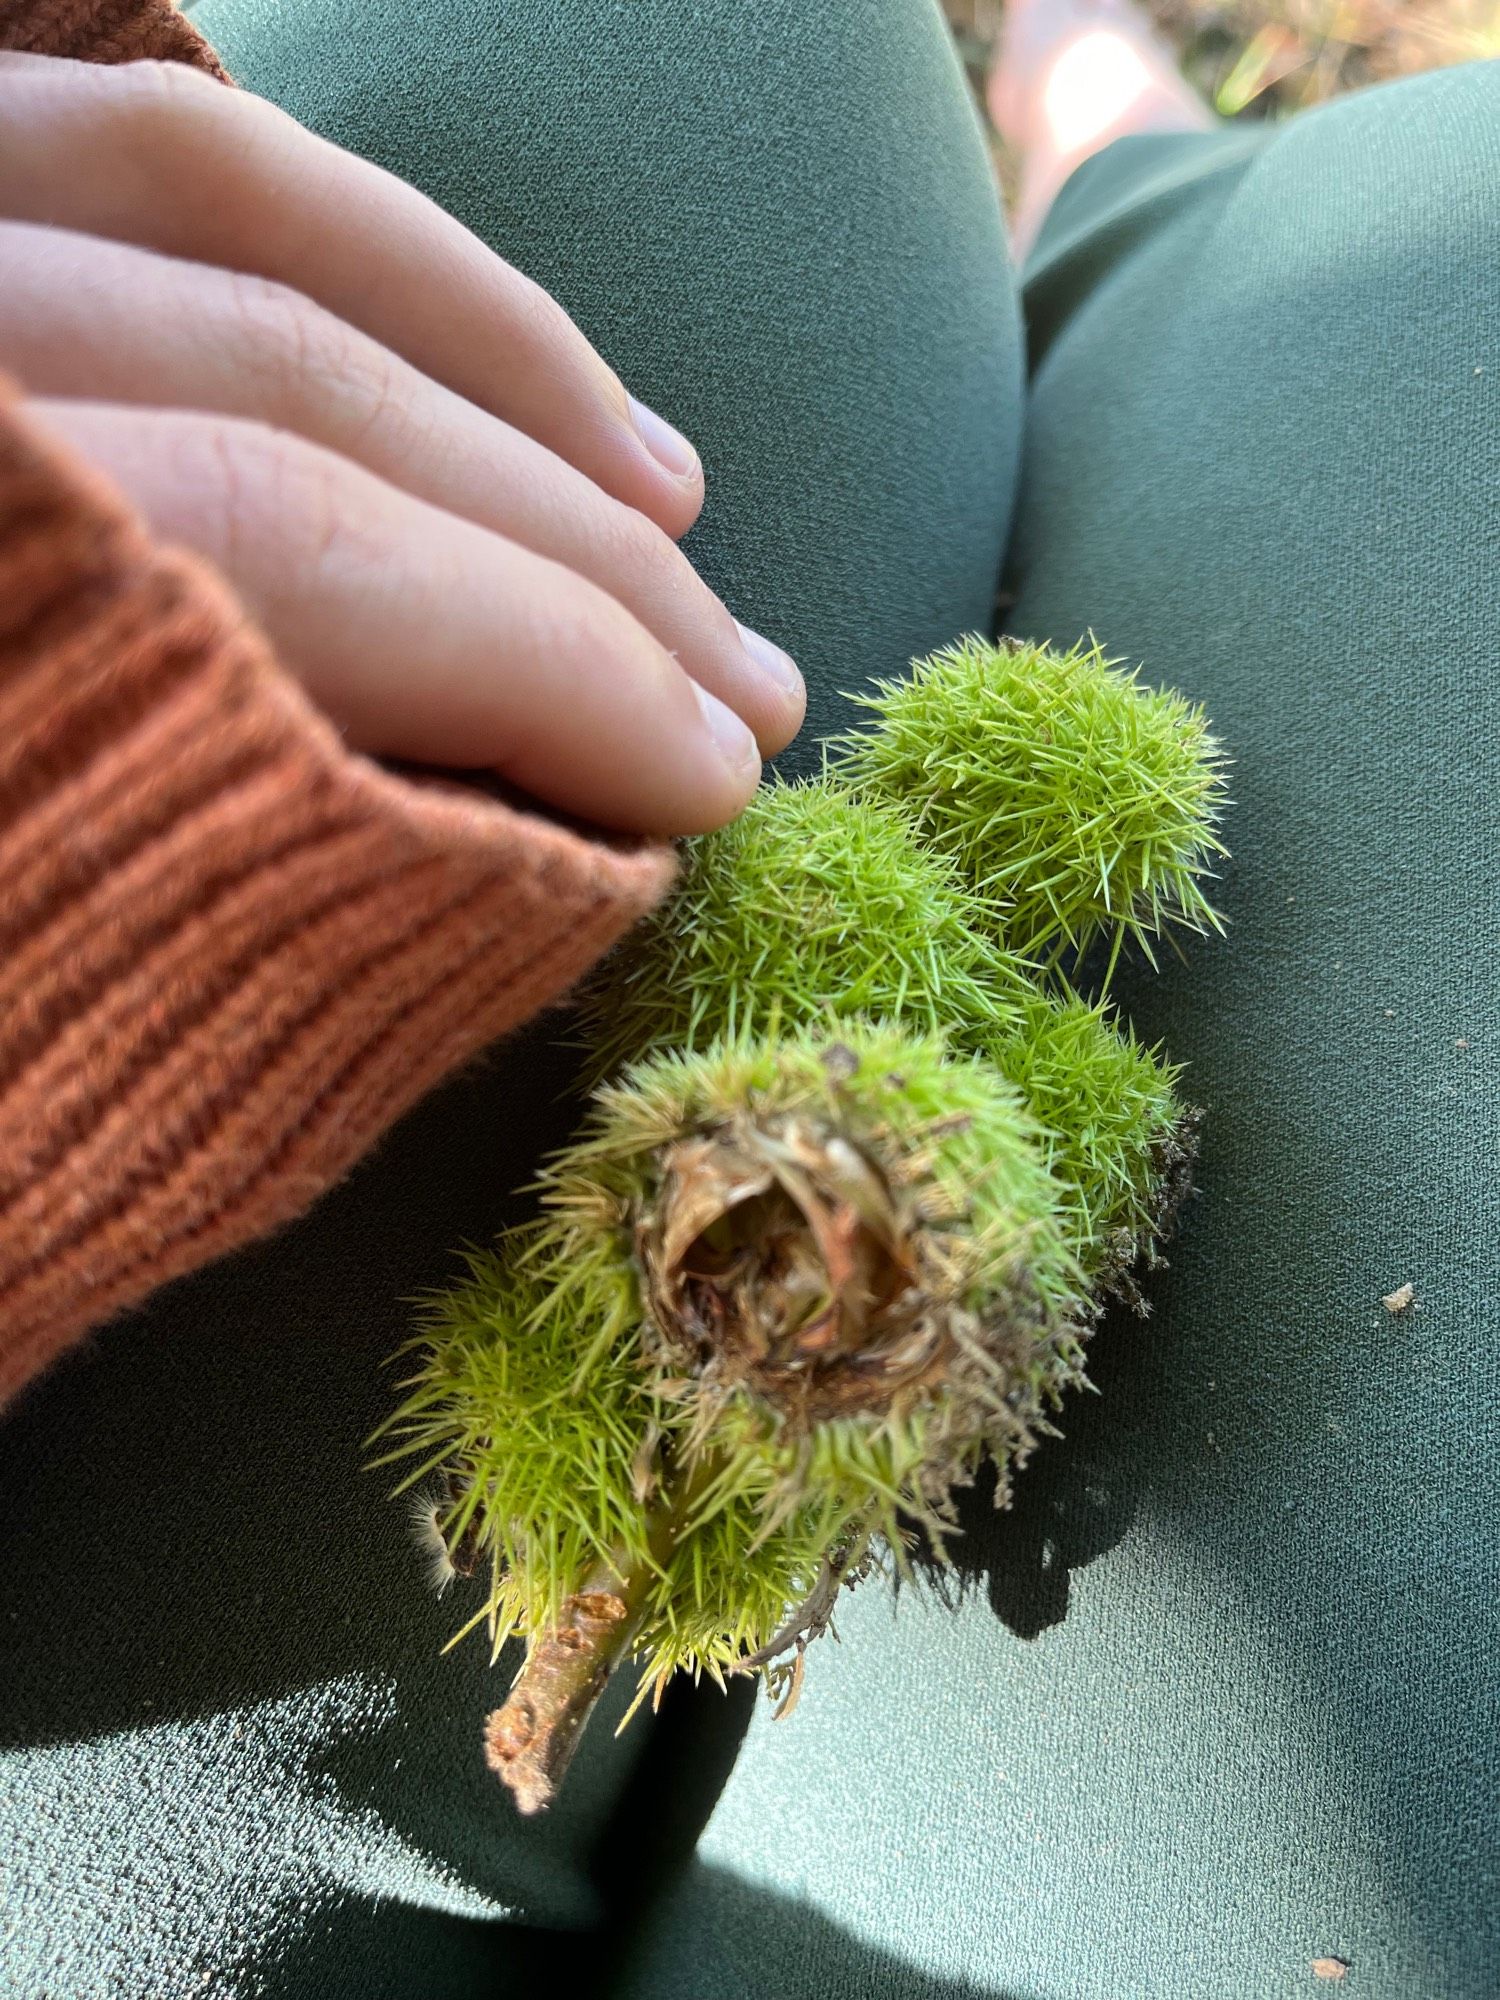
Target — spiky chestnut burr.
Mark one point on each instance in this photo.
(1081, 801)
(1114, 1128)
(781, 1300)
(855, 1229)
(686, 1469)
(815, 903)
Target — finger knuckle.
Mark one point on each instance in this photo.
(269, 490)
(157, 102)
(355, 382)
(637, 548)
(307, 365)
(226, 466)
(308, 488)
(540, 322)
(589, 628)
(266, 325)
(127, 107)
(174, 126)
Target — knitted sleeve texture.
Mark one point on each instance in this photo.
(108, 31)
(232, 952)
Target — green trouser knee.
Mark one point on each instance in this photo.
(231, 1758)
(1220, 1696)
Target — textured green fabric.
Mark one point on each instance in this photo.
(230, 1758)
(1220, 1695)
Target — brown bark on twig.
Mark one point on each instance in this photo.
(529, 1742)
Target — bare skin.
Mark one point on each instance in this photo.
(1072, 76)
(446, 510)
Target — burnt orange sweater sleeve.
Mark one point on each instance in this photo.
(109, 31)
(231, 951)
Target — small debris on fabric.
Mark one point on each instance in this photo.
(1329, 1968)
(1399, 1300)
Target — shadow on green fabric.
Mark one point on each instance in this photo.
(1073, 1502)
(764, 1944)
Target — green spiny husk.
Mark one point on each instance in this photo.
(814, 904)
(1114, 1130)
(805, 1267)
(569, 1400)
(1082, 803)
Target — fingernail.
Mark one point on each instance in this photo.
(732, 739)
(668, 447)
(779, 666)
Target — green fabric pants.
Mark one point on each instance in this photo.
(1218, 1696)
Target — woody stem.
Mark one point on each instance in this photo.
(530, 1740)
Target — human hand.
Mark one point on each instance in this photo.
(439, 502)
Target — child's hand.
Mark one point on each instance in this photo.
(440, 503)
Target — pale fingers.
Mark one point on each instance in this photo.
(424, 636)
(156, 154)
(81, 317)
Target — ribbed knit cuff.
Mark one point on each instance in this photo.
(106, 31)
(231, 952)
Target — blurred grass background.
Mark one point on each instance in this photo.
(1264, 58)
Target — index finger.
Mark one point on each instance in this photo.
(158, 155)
